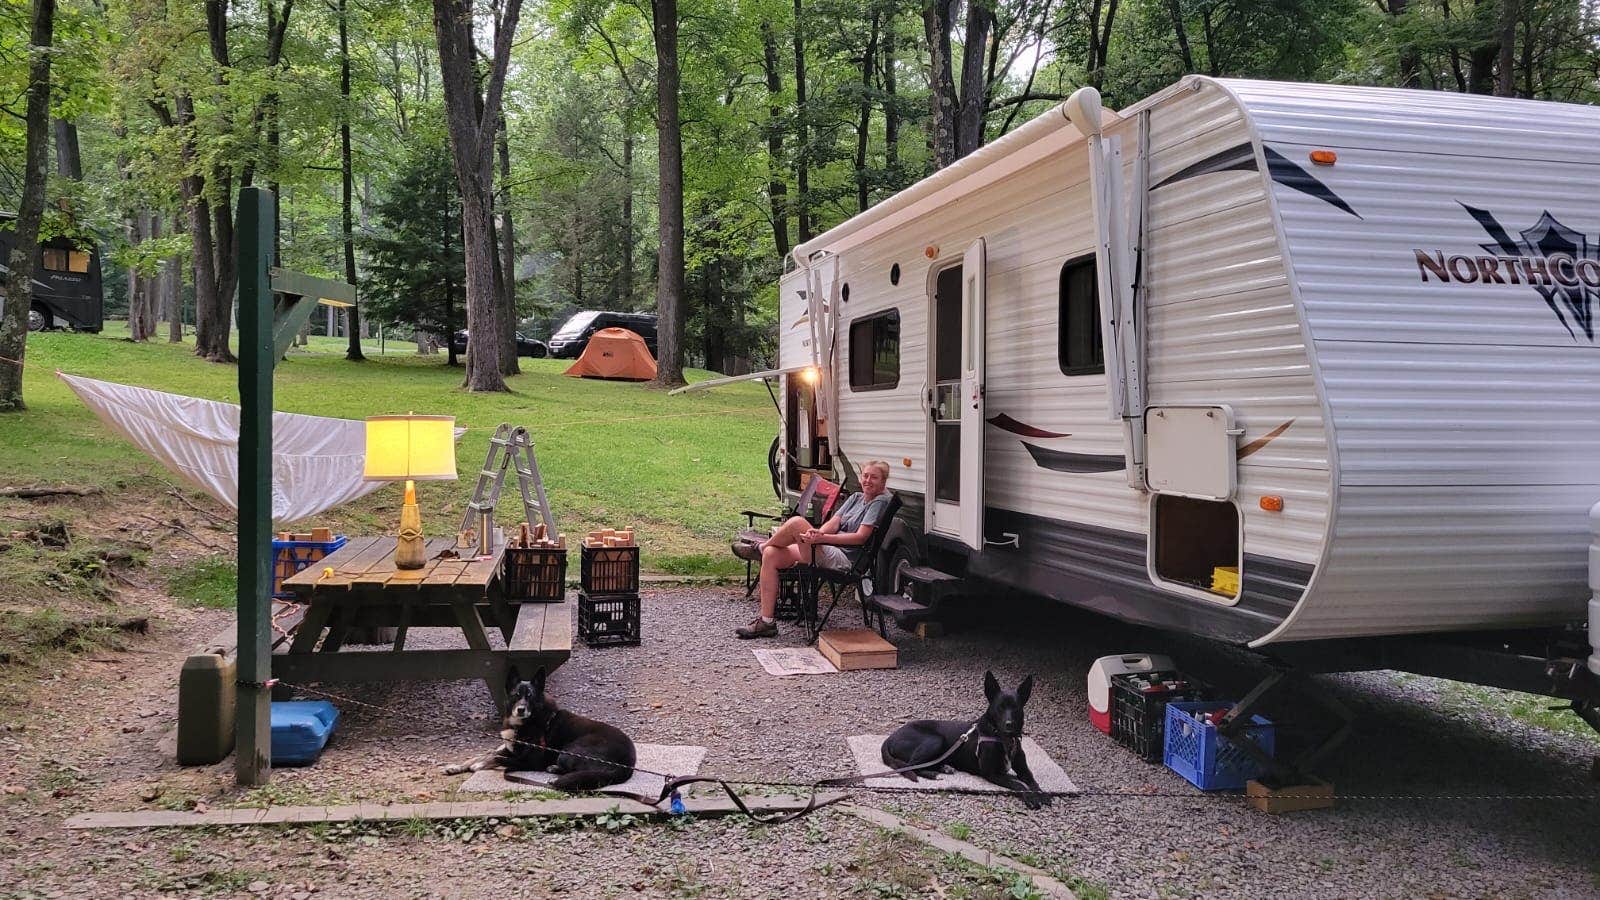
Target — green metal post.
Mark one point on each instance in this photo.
(257, 354)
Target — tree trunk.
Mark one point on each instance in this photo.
(670, 312)
(802, 141)
(1409, 63)
(508, 258)
(19, 282)
(1481, 58)
(69, 159)
(472, 132)
(777, 187)
(864, 120)
(891, 108)
(1505, 75)
(172, 275)
(347, 186)
(974, 87)
(1175, 9)
(936, 22)
(213, 345)
(1100, 42)
(626, 291)
(209, 316)
(137, 295)
(715, 343)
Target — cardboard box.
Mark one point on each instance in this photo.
(1290, 798)
(857, 648)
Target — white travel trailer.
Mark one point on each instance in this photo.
(1266, 363)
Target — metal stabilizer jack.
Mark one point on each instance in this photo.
(1236, 726)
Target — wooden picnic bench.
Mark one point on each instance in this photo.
(365, 590)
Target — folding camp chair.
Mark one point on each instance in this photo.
(816, 503)
(808, 582)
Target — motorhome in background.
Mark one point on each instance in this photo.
(1289, 366)
(66, 283)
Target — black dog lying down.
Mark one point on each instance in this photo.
(539, 735)
(993, 746)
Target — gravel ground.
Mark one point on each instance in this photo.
(693, 683)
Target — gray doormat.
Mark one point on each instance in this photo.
(867, 750)
(672, 759)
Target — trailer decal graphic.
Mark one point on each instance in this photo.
(1264, 440)
(1090, 463)
(1241, 157)
(1238, 158)
(1076, 463)
(1560, 263)
(1287, 172)
(1006, 423)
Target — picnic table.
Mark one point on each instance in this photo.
(366, 590)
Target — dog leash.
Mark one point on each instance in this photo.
(670, 790)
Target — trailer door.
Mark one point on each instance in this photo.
(974, 276)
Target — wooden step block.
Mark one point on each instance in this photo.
(857, 648)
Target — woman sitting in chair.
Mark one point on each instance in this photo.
(835, 545)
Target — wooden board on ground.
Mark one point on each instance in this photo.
(857, 648)
(1292, 798)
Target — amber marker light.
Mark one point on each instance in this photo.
(1272, 503)
(906, 461)
(1324, 157)
(931, 251)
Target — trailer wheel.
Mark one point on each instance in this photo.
(901, 556)
(38, 319)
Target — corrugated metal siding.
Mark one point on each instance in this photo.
(1221, 326)
(1466, 417)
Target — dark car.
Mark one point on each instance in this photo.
(526, 346)
(570, 339)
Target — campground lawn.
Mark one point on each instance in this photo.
(613, 454)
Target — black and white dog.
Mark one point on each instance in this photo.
(991, 751)
(539, 735)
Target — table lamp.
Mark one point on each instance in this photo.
(410, 449)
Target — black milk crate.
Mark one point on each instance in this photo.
(1139, 709)
(791, 604)
(608, 620)
(536, 574)
(609, 570)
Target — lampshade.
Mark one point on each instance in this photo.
(421, 448)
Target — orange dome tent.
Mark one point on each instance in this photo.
(615, 353)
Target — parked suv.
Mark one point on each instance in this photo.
(570, 339)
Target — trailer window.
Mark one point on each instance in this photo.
(59, 259)
(875, 352)
(1081, 350)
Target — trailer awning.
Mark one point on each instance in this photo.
(732, 379)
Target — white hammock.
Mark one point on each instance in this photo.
(317, 461)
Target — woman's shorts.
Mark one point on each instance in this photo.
(830, 557)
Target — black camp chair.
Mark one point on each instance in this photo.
(816, 503)
(806, 583)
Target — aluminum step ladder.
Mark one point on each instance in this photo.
(510, 447)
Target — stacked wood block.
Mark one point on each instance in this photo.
(608, 604)
(536, 538)
(536, 565)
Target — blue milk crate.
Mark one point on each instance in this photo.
(1209, 761)
(300, 729)
(289, 557)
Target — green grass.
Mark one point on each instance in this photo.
(212, 582)
(612, 453)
